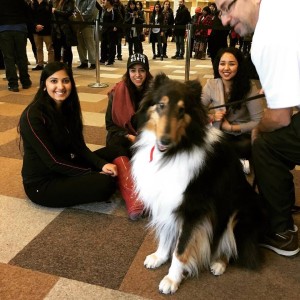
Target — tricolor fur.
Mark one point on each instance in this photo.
(202, 208)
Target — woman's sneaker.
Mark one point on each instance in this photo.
(284, 243)
(246, 166)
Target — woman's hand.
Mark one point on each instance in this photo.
(226, 126)
(218, 115)
(131, 137)
(110, 169)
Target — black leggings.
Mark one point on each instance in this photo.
(64, 191)
(241, 144)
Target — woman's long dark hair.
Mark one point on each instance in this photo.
(241, 83)
(70, 109)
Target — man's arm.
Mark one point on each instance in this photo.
(275, 118)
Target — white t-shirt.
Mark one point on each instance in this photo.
(275, 53)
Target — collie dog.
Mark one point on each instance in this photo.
(202, 209)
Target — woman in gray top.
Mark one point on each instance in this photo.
(232, 83)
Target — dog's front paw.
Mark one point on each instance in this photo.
(218, 268)
(153, 261)
(168, 286)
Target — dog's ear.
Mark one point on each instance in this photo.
(195, 88)
(159, 79)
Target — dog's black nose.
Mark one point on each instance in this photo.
(165, 140)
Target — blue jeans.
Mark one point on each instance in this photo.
(13, 46)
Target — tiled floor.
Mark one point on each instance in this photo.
(93, 251)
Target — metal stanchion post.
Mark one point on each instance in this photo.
(188, 52)
(97, 84)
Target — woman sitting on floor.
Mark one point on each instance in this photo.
(58, 169)
(121, 123)
(232, 83)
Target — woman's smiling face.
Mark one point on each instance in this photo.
(228, 66)
(59, 86)
(137, 74)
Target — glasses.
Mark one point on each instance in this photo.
(225, 11)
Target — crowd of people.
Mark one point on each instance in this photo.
(47, 22)
(58, 168)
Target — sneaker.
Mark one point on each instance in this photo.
(38, 68)
(27, 85)
(83, 66)
(246, 166)
(284, 243)
(295, 209)
(92, 67)
(13, 89)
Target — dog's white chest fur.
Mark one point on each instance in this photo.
(161, 184)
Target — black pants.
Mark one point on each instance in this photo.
(275, 154)
(241, 144)
(13, 46)
(64, 191)
(59, 45)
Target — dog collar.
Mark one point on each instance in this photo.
(151, 153)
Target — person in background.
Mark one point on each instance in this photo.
(218, 36)
(201, 34)
(232, 83)
(276, 139)
(62, 34)
(42, 14)
(14, 16)
(58, 168)
(121, 8)
(213, 8)
(133, 16)
(168, 20)
(157, 35)
(31, 30)
(121, 123)
(86, 34)
(183, 17)
(110, 33)
(194, 20)
(141, 13)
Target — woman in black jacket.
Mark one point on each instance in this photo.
(58, 169)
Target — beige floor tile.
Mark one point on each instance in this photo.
(93, 119)
(67, 289)
(21, 222)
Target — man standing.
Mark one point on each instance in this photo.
(13, 39)
(85, 35)
(183, 17)
(276, 139)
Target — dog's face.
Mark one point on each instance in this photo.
(170, 107)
